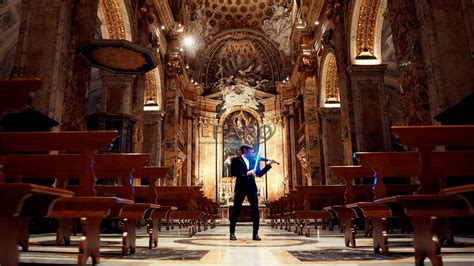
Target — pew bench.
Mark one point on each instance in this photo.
(19, 203)
(148, 194)
(185, 198)
(85, 204)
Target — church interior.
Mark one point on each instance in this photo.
(119, 120)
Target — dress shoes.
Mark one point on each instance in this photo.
(232, 237)
(256, 237)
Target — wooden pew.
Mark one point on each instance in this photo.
(85, 205)
(121, 167)
(427, 205)
(18, 203)
(385, 165)
(185, 198)
(148, 194)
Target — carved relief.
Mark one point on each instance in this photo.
(174, 67)
(7, 20)
(278, 28)
(332, 83)
(113, 19)
(151, 87)
(365, 36)
(415, 97)
(308, 63)
(304, 161)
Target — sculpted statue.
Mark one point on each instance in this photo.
(278, 28)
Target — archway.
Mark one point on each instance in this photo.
(365, 33)
(329, 96)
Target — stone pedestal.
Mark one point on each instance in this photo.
(331, 142)
(117, 93)
(152, 135)
(368, 100)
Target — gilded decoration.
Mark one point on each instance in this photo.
(332, 84)
(365, 35)
(113, 19)
(151, 87)
(174, 67)
(226, 14)
(119, 58)
(308, 62)
(304, 161)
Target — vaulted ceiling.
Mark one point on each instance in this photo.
(236, 35)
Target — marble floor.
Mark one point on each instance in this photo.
(212, 247)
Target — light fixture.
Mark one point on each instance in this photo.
(316, 23)
(331, 100)
(189, 41)
(163, 27)
(301, 24)
(151, 105)
(365, 55)
(181, 49)
(187, 66)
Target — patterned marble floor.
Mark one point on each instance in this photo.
(212, 247)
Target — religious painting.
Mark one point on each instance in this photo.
(239, 127)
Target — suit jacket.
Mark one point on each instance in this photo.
(245, 183)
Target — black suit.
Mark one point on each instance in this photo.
(245, 186)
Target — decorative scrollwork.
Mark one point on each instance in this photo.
(307, 63)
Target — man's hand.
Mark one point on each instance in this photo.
(251, 172)
(270, 162)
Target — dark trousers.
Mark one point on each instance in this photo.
(238, 199)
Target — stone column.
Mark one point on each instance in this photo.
(189, 142)
(48, 41)
(448, 54)
(331, 142)
(292, 133)
(117, 93)
(368, 98)
(152, 135)
(416, 98)
(312, 138)
(340, 14)
(171, 153)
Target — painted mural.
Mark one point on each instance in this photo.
(239, 127)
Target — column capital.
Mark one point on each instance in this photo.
(153, 115)
(368, 70)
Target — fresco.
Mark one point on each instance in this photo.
(239, 127)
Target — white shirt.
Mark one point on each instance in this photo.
(246, 162)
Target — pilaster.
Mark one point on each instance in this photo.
(117, 93)
(153, 136)
(331, 142)
(368, 100)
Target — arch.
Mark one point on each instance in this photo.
(114, 15)
(329, 93)
(365, 33)
(265, 49)
(153, 92)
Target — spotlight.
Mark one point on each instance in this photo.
(189, 41)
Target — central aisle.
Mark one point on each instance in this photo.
(213, 247)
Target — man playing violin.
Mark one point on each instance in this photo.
(245, 168)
